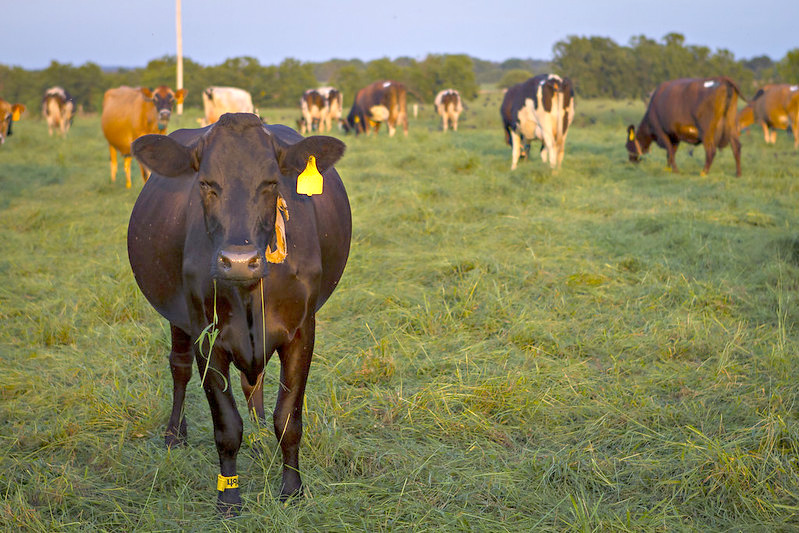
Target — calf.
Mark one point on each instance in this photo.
(543, 108)
(449, 105)
(129, 113)
(225, 239)
(382, 101)
(774, 106)
(9, 113)
(58, 109)
(693, 111)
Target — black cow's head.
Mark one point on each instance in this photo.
(8, 114)
(238, 166)
(163, 97)
(633, 146)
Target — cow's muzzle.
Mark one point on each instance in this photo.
(240, 264)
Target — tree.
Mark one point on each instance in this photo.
(513, 77)
(788, 67)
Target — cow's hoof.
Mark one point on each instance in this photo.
(228, 503)
(175, 441)
(288, 496)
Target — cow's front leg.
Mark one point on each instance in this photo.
(228, 426)
(295, 361)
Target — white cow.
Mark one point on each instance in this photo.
(220, 100)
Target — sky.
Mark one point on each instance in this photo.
(130, 33)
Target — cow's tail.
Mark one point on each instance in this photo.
(732, 86)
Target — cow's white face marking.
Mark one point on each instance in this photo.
(710, 83)
(794, 88)
(386, 84)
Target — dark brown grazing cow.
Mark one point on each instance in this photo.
(129, 113)
(774, 106)
(220, 236)
(382, 101)
(693, 111)
(8, 113)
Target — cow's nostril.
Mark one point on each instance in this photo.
(254, 264)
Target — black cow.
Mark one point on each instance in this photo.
(220, 236)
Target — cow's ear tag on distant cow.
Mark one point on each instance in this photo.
(309, 182)
(15, 115)
(632, 135)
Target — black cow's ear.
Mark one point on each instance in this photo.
(163, 155)
(294, 158)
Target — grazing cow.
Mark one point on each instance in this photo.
(221, 241)
(690, 110)
(220, 100)
(315, 110)
(774, 106)
(8, 113)
(449, 105)
(382, 101)
(58, 108)
(129, 113)
(335, 105)
(543, 108)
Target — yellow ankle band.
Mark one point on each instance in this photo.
(224, 483)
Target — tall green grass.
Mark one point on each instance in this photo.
(610, 348)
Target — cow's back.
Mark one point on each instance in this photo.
(127, 115)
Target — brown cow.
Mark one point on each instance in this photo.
(129, 113)
(8, 113)
(774, 106)
(690, 110)
(382, 101)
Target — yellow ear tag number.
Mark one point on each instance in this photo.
(226, 482)
(309, 182)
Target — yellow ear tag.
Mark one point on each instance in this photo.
(309, 182)
(15, 116)
(632, 135)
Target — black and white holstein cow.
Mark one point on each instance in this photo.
(449, 105)
(58, 108)
(539, 108)
(220, 241)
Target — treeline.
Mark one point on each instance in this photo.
(600, 67)
(270, 85)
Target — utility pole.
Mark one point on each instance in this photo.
(179, 29)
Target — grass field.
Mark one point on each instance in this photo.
(613, 348)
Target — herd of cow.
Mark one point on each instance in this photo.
(244, 229)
